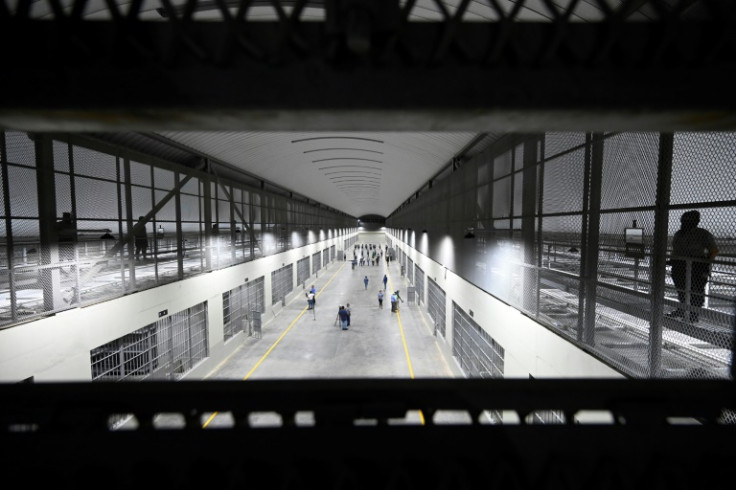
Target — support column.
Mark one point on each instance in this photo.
(9, 248)
(589, 253)
(528, 207)
(207, 196)
(179, 233)
(659, 251)
(49, 273)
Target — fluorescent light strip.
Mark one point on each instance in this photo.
(336, 138)
(346, 158)
(347, 149)
(350, 166)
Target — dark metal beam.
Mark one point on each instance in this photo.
(114, 76)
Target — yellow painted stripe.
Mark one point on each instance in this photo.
(273, 346)
(403, 341)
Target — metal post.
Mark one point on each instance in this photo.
(593, 235)
(688, 286)
(659, 251)
(179, 235)
(207, 197)
(529, 194)
(9, 247)
(49, 250)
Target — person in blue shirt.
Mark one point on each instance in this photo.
(380, 299)
(385, 280)
(365, 281)
(342, 313)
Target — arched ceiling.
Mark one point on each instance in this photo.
(359, 173)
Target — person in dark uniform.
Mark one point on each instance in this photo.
(692, 247)
(141, 238)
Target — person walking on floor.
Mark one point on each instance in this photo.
(343, 315)
(347, 308)
(393, 303)
(313, 292)
(310, 300)
(365, 281)
(385, 281)
(380, 299)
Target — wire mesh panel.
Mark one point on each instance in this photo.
(564, 181)
(410, 270)
(325, 256)
(436, 306)
(605, 261)
(626, 155)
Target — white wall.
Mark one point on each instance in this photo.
(57, 348)
(530, 348)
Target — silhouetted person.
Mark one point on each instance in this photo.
(141, 238)
(696, 246)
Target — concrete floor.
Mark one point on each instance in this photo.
(300, 343)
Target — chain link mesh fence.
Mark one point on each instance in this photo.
(583, 237)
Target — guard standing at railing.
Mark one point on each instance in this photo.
(141, 238)
(693, 249)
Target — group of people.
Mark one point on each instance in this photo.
(311, 297)
(369, 255)
(343, 316)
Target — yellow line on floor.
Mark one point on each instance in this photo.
(270, 349)
(403, 340)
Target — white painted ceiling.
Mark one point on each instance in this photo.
(359, 173)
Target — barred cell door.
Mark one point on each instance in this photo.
(253, 301)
